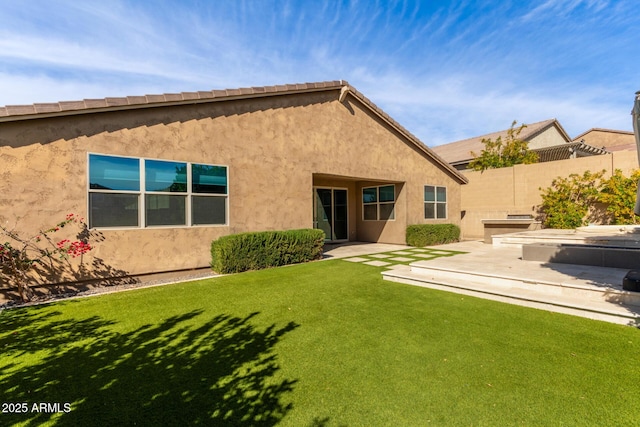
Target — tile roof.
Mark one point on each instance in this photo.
(624, 132)
(35, 111)
(16, 112)
(460, 151)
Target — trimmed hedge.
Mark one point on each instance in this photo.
(432, 234)
(253, 251)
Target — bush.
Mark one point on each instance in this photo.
(618, 193)
(579, 199)
(567, 202)
(432, 234)
(253, 251)
(25, 256)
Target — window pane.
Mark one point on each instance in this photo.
(429, 210)
(114, 173)
(369, 195)
(442, 194)
(442, 210)
(340, 197)
(208, 210)
(429, 193)
(371, 212)
(209, 179)
(387, 211)
(113, 210)
(165, 210)
(165, 176)
(387, 193)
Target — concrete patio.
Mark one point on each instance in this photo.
(498, 273)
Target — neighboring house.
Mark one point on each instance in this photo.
(161, 176)
(547, 138)
(608, 139)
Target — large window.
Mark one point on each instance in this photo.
(133, 192)
(378, 203)
(435, 202)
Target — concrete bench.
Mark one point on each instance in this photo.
(510, 224)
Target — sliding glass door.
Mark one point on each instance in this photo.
(330, 212)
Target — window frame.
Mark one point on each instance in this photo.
(142, 194)
(378, 203)
(436, 202)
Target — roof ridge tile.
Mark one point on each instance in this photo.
(47, 107)
(114, 102)
(20, 109)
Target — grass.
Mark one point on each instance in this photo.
(403, 257)
(321, 344)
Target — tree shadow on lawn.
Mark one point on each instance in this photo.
(221, 372)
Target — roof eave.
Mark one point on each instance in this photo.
(169, 100)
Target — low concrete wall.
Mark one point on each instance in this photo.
(599, 256)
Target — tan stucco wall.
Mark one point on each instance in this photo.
(548, 138)
(273, 147)
(603, 138)
(495, 193)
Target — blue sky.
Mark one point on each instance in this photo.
(445, 70)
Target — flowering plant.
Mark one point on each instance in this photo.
(20, 254)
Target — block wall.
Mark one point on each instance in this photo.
(495, 193)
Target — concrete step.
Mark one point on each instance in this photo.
(599, 303)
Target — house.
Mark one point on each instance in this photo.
(161, 176)
(547, 138)
(608, 139)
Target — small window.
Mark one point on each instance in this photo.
(209, 182)
(435, 202)
(114, 191)
(378, 203)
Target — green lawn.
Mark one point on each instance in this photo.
(322, 344)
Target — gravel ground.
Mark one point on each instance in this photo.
(109, 289)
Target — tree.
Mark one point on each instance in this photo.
(499, 154)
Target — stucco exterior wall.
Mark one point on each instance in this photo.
(273, 147)
(495, 193)
(608, 138)
(548, 138)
